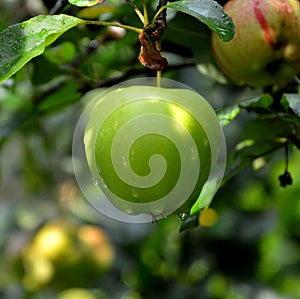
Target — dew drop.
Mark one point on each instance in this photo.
(157, 211)
(94, 181)
(124, 162)
(129, 211)
(134, 193)
(194, 153)
(43, 32)
(183, 216)
(102, 184)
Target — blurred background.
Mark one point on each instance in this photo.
(54, 244)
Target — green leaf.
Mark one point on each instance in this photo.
(262, 101)
(21, 42)
(61, 54)
(262, 138)
(227, 114)
(66, 94)
(291, 100)
(209, 12)
(265, 130)
(188, 31)
(261, 104)
(85, 2)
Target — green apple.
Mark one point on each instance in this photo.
(151, 149)
(265, 49)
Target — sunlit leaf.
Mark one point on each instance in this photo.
(291, 100)
(21, 42)
(209, 12)
(95, 11)
(227, 114)
(85, 2)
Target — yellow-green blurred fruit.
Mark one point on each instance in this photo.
(77, 294)
(54, 239)
(65, 255)
(97, 246)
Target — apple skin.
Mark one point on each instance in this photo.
(265, 49)
(144, 101)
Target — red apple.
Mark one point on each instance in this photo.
(265, 49)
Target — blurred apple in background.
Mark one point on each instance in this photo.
(77, 294)
(64, 255)
(265, 49)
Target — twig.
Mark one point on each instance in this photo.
(59, 6)
(137, 11)
(129, 74)
(114, 24)
(146, 20)
(161, 11)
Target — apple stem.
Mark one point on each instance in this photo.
(160, 17)
(158, 78)
(158, 73)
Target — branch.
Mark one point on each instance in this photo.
(59, 6)
(137, 11)
(127, 75)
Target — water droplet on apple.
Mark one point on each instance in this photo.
(94, 181)
(102, 184)
(194, 153)
(124, 162)
(134, 193)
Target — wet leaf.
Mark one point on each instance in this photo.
(21, 42)
(209, 12)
